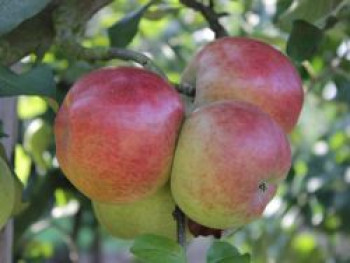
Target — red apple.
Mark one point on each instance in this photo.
(245, 69)
(229, 158)
(116, 132)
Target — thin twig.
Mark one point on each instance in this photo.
(137, 57)
(209, 14)
(181, 226)
(93, 54)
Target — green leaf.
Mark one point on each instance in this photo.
(281, 7)
(19, 205)
(123, 32)
(14, 12)
(223, 252)
(157, 249)
(303, 41)
(308, 10)
(38, 81)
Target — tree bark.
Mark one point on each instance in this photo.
(8, 115)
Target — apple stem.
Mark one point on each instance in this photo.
(143, 60)
(181, 226)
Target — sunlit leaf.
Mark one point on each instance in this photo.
(30, 106)
(22, 164)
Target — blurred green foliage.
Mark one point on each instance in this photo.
(308, 219)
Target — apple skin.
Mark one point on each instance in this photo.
(227, 152)
(152, 215)
(245, 69)
(116, 132)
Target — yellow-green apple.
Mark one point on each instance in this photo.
(7, 193)
(245, 69)
(116, 132)
(152, 215)
(229, 158)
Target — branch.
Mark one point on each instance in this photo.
(181, 226)
(73, 49)
(38, 34)
(209, 14)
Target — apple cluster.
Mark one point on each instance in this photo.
(124, 140)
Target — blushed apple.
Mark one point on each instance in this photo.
(116, 132)
(239, 68)
(229, 159)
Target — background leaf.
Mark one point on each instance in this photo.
(14, 12)
(223, 252)
(303, 41)
(157, 249)
(281, 7)
(38, 81)
(123, 32)
(308, 10)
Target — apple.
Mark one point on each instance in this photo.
(152, 215)
(116, 132)
(239, 68)
(7, 193)
(229, 158)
